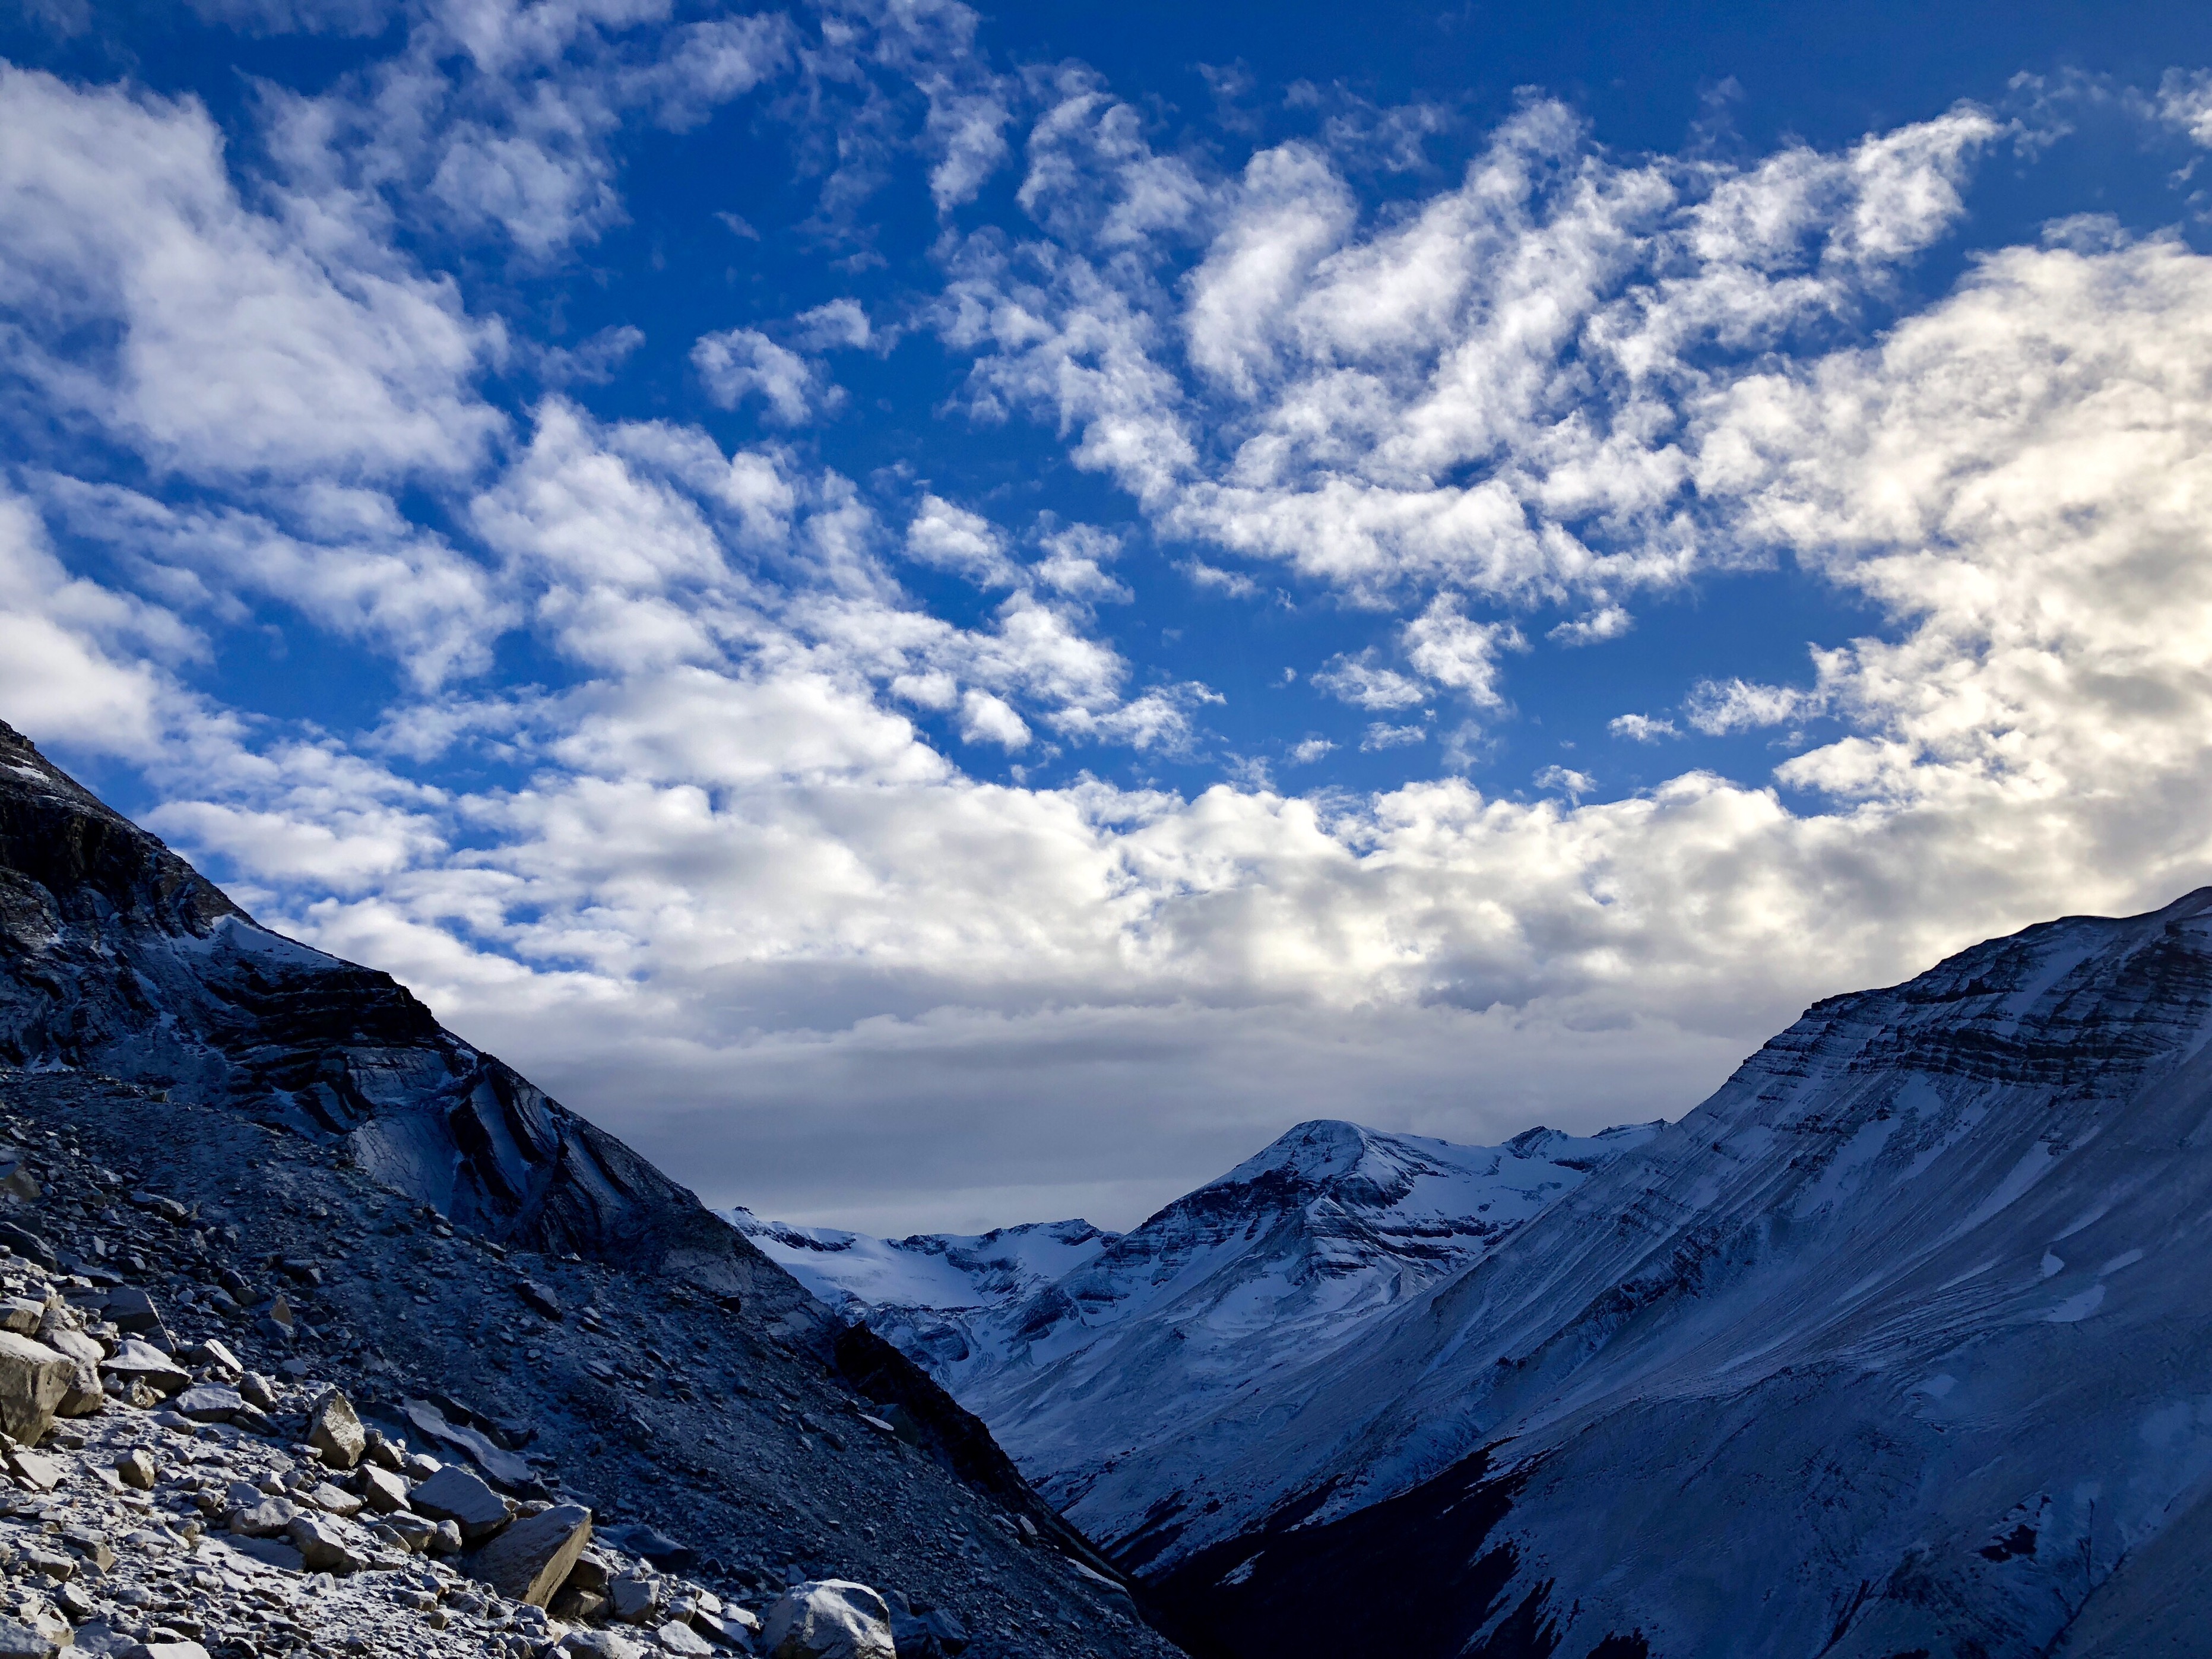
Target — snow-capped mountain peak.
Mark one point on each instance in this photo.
(1081, 1347)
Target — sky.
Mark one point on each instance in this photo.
(945, 617)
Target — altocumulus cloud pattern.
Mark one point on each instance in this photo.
(897, 605)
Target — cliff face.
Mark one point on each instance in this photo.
(116, 955)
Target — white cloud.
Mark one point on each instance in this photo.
(1607, 622)
(1365, 684)
(1566, 782)
(950, 539)
(2185, 101)
(1452, 651)
(349, 561)
(1383, 735)
(741, 362)
(1641, 728)
(987, 719)
(1074, 564)
(726, 874)
(1716, 707)
(838, 323)
(238, 345)
(1488, 394)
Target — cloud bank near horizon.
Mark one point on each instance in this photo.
(850, 840)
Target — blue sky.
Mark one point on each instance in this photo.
(946, 619)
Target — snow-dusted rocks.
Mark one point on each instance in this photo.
(829, 1619)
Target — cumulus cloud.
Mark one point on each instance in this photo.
(951, 539)
(1607, 622)
(1715, 707)
(1641, 728)
(137, 289)
(1461, 654)
(723, 878)
(1489, 394)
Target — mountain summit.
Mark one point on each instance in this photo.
(1895, 1346)
(1147, 1353)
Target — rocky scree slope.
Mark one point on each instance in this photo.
(573, 1326)
(1898, 1344)
(1148, 1353)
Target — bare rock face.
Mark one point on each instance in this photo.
(147, 971)
(532, 1558)
(829, 1619)
(34, 1379)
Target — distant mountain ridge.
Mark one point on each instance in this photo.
(1094, 1352)
(1898, 1347)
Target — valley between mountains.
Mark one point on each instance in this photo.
(1896, 1346)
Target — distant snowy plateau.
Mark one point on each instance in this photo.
(1899, 1345)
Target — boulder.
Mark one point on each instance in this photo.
(216, 1354)
(20, 1641)
(34, 1469)
(132, 1310)
(334, 1429)
(84, 1396)
(634, 1601)
(270, 1518)
(34, 1379)
(933, 1635)
(540, 1297)
(599, 1645)
(271, 1552)
(141, 1361)
(829, 1619)
(333, 1500)
(676, 1638)
(453, 1494)
(179, 1649)
(208, 1402)
(29, 1245)
(381, 1490)
(322, 1546)
(138, 1470)
(411, 1529)
(532, 1558)
(21, 1315)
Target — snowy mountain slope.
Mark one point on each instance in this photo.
(1151, 1343)
(940, 1296)
(1899, 1344)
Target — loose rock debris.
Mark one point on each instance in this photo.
(234, 1426)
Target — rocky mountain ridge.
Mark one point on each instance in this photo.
(1896, 1344)
(258, 1148)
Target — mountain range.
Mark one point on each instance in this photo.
(1896, 1345)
